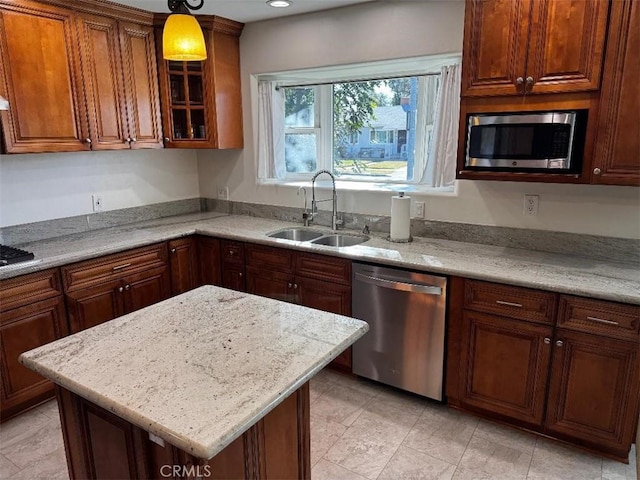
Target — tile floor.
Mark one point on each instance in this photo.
(361, 430)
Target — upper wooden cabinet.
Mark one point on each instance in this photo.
(75, 80)
(40, 76)
(201, 101)
(617, 151)
(513, 47)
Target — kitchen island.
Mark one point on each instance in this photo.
(212, 382)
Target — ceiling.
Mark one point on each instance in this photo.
(245, 10)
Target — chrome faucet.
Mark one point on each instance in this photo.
(306, 216)
(335, 222)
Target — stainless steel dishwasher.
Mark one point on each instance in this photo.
(406, 315)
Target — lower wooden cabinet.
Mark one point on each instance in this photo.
(576, 380)
(209, 261)
(506, 363)
(100, 444)
(102, 289)
(233, 260)
(183, 260)
(24, 325)
(593, 391)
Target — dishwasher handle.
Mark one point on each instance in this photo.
(404, 286)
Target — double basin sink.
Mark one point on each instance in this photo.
(299, 234)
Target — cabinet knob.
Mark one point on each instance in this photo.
(127, 140)
(529, 80)
(289, 285)
(547, 340)
(87, 140)
(127, 287)
(134, 139)
(167, 139)
(597, 171)
(231, 253)
(121, 289)
(559, 343)
(239, 274)
(173, 250)
(295, 285)
(519, 81)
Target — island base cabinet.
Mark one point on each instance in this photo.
(593, 391)
(102, 445)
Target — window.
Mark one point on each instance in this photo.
(376, 131)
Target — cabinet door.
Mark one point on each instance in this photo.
(566, 45)
(328, 297)
(268, 283)
(146, 288)
(184, 265)
(505, 366)
(23, 329)
(325, 296)
(92, 306)
(495, 47)
(593, 392)
(40, 76)
(209, 259)
(617, 151)
(104, 87)
(233, 278)
(141, 85)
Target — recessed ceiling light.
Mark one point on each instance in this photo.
(279, 3)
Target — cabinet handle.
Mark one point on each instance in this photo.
(127, 287)
(121, 289)
(120, 267)
(597, 171)
(173, 250)
(547, 340)
(509, 304)
(602, 320)
(559, 343)
(295, 285)
(519, 81)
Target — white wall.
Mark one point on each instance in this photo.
(46, 186)
(384, 30)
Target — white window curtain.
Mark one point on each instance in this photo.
(440, 169)
(271, 163)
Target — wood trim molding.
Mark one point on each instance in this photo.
(106, 8)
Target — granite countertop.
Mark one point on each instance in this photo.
(198, 369)
(547, 271)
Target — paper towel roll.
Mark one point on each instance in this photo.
(400, 218)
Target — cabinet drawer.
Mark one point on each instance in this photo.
(232, 252)
(596, 316)
(324, 268)
(26, 289)
(102, 269)
(515, 302)
(260, 256)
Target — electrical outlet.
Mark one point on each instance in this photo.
(223, 193)
(531, 205)
(96, 200)
(419, 210)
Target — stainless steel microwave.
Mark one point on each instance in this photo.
(527, 142)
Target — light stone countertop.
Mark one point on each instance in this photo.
(198, 369)
(548, 271)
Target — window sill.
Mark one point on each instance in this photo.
(368, 187)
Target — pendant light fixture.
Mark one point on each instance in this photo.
(182, 38)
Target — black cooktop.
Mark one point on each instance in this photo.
(9, 255)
